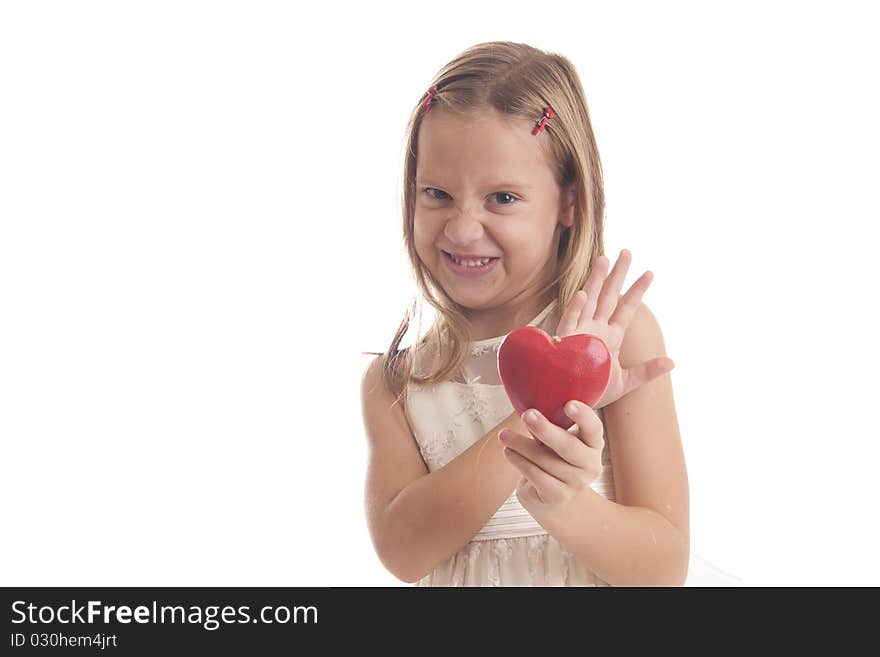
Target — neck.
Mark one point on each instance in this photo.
(494, 322)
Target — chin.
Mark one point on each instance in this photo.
(473, 302)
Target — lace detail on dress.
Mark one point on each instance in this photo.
(566, 565)
(435, 450)
(480, 349)
(473, 554)
(474, 402)
(536, 556)
(458, 565)
(502, 549)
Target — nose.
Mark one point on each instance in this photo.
(463, 228)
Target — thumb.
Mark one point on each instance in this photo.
(639, 375)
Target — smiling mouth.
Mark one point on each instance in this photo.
(469, 261)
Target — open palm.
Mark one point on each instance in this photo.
(598, 309)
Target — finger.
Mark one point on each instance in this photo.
(547, 486)
(545, 458)
(590, 429)
(564, 445)
(638, 375)
(594, 286)
(629, 302)
(568, 323)
(611, 290)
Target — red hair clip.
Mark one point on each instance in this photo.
(548, 114)
(428, 103)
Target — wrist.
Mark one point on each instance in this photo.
(560, 518)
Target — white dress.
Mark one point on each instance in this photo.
(512, 549)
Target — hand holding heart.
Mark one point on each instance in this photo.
(556, 463)
(560, 463)
(598, 309)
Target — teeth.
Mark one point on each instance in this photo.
(470, 263)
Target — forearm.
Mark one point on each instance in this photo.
(623, 545)
(436, 515)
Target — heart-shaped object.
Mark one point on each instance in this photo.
(544, 373)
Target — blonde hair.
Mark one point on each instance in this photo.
(521, 81)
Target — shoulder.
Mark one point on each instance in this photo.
(374, 387)
(372, 374)
(384, 415)
(378, 393)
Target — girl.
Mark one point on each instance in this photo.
(503, 215)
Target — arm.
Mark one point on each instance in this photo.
(636, 546)
(643, 538)
(419, 519)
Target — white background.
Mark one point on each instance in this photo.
(200, 231)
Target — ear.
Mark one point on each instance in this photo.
(566, 206)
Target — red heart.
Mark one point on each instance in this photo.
(544, 373)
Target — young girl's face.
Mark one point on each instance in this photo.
(485, 189)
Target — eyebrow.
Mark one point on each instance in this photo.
(501, 185)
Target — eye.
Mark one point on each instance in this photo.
(505, 198)
(428, 191)
(508, 195)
